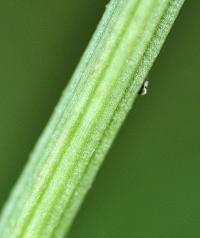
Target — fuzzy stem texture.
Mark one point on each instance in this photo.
(91, 110)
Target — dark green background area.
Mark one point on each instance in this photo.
(149, 183)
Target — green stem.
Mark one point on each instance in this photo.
(85, 122)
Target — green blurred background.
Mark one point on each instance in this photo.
(149, 183)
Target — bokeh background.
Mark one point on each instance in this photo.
(149, 183)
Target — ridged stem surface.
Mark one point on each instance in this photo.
(83, 126)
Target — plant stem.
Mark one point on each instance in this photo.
(68, 155)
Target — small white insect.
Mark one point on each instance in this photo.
(144, 89)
